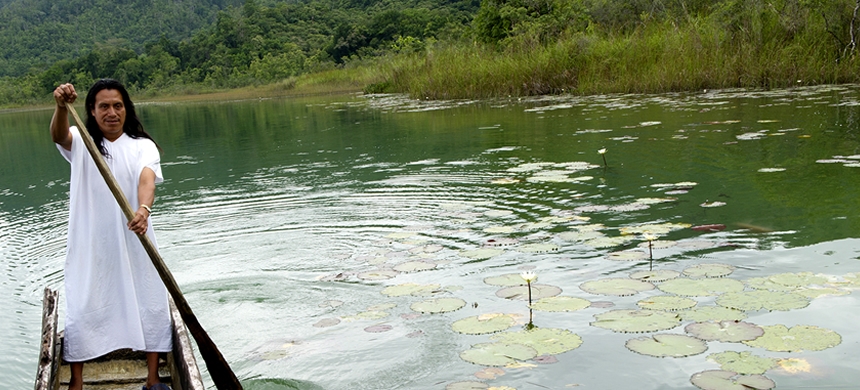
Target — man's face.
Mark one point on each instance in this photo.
(109, 113)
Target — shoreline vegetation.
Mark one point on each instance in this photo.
(506, 48)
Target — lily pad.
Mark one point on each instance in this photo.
(438, 305)
(730, 380)
(667, 303)
(577, 236)
(366, 315)
(505, 280)
(743, 362)
(712, 313)
(482, 253)
(779, 338)
(608, 242)
(497, 354)
(560, 303)
(538, 248)
(657, 229)
(667, 345)
(546, 341)
(761, 299)
(700, 287)
(658, 244)
(484, 323)
(327, 322)
(799, 279)
(522, 292)
(725, 331)
(467, 385)
(504, 241)
(634, 255)
(414, 266)
(655, 276)
(616, 286)
(816, 292)
(411, 289)
(636, 321)
(377, 275)
(709, 270)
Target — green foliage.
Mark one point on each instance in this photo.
(429, 49)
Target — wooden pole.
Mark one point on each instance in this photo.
(219, 370)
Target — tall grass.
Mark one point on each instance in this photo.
(658, 57)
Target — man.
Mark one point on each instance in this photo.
(114, 296)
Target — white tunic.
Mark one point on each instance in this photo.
(114, 296)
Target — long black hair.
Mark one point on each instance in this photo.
(132, 125)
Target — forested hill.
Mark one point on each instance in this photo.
(36, 33)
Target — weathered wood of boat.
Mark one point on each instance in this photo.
(118, 370)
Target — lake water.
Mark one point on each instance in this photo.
(285, 221)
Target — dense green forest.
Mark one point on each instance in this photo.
(428, 48)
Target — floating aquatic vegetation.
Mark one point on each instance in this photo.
(467, 385)
(546, 341)
(432, 248)
(366, 315)
(816, 292)
(616, 286)
(657, 244)
(411, 289)
(327, 322)
(414, 266)
(530, 167)
(667, 345)
(624, 208)
(499, 229)
(382, 307)
(505, 280)
(655, 200)
(378, 328)
(655, 276)
(538, 248)
(608, 242)
(490, 373)
(438, 305)
(701, 287)
(497, 354)
(631, 255)
(725, 331)
(779, 338)
(761, 299)
(654, 228)
(715, 203)
(794, 365)
(382, 274)
(576, 236)
(560, 303)
(538, 291)
(730, 380)
(481, 253)
(636, 321)
(743, 362)
(712, 313)
(667, 303)
(798, 279)
(332, 303)
(709, 270)
(484, 323)
(495, 242)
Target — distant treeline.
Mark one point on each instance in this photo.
(467, 48)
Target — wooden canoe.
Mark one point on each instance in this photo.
(118, 370)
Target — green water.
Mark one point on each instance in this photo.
(271, 211)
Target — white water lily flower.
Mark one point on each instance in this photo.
(602, 151)
(649, 236)
(528, 276)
